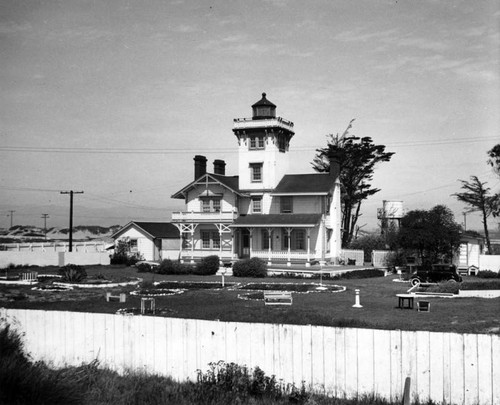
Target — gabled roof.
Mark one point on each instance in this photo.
(229, 182)
(304, 184)
(278, 220)
(156, 230)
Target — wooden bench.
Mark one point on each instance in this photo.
(278, 298)
(122, 297)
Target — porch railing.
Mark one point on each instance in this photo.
(222, 216)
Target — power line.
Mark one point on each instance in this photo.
(159, 151)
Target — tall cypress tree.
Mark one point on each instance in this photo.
(359, 156)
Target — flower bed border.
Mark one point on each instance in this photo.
(104, 285)
(171, 291)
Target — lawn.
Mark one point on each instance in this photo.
(377, 296)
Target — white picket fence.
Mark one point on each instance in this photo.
(445, 367)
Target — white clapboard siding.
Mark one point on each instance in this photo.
(447, 368)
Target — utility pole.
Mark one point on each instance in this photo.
(71, 192)
(11, 218)
(45, 216)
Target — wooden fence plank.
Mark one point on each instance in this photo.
(340, 362)
(422, 370)
(382, 373)
(457, 375)
(409, 359)
(321, 358)
(495, 368)
(484, 377)
(396, 376)
(365, 365)
(437, 354)
(351, 349)
(471, 382)
(329, 360)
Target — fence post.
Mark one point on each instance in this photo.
(406, 393)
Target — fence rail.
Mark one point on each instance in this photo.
(444, 367)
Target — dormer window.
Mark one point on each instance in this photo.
(257, 142)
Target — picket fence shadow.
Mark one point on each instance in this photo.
(447, 368)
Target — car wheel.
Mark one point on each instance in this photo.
(452, 279)
(414, 281)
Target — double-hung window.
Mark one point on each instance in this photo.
(297, 240)
(256, 172)
(256, 205)
(210, 204)
(286, 205)
(210, 240)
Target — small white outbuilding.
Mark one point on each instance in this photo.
(153, 241)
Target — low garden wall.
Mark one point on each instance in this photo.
(444, 367)
(489, 262)
(38, 258)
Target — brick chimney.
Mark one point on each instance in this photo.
(219, 167)
(200, 166)
(335, 156)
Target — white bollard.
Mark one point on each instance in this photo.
(357, 304)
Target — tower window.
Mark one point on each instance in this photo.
(256, 142)
(256, 172)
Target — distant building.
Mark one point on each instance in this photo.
(262, 211)
(153, 241)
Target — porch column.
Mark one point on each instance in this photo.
(192, 246)
(289, 258)
(250, 242)
(232, 245)
(308, 262)
(270, 241)
(180, 246)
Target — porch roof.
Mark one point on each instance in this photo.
(276, 220)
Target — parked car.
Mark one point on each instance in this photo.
(434, 274)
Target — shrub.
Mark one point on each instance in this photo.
(24, 382)
(368, 273)
(208, 266)
(488, 274)
(481, 285)
(168, 266)
(143, 268)
(253, 267)
(72, 273)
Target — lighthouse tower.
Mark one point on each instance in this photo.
(264, 142)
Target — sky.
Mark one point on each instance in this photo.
(114, 98)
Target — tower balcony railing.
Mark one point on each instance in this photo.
(222, 216)
(245, 123)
